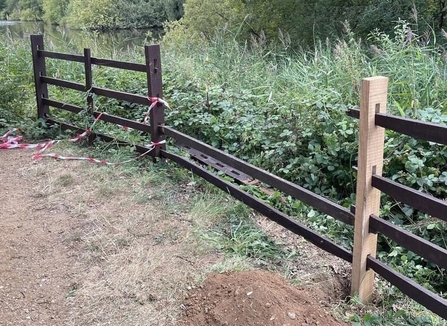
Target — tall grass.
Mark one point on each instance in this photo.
(16, 81)
(284, 112)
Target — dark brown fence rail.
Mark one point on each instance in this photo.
(414, 128)
(373, 121)
(365, 220)
(152, 68)
(318, 202)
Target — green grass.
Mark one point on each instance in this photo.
(282, 111)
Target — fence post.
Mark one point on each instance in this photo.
(88, 87)
(154, 86)
(370, 161)
(88, 79)
(43, 110)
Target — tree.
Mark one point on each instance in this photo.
(204, 17)
(23, 9)
(308, 20)
(173, 9)
(303, 20)
(93, 14)
(140, 13)
(108, 14)
(55, 11)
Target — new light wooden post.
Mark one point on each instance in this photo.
(370, 161)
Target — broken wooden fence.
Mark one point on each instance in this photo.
(370, 183)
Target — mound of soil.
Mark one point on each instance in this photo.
(252, 298)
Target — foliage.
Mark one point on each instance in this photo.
(285, 112)
(22, 9)
(302, 23)
(173, 9)
(95, 14)
(240, 236)
(203, 18)
(16, 82)
(55, 11)
(107, 14)
(378, 14)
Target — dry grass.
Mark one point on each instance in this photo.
(135, 235)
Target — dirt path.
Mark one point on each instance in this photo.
(35, 266)
(87, 245)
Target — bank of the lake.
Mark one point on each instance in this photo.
(77, 39)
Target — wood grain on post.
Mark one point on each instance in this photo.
(39, 69)
(88, 79)
(370, 161)
(154, 85)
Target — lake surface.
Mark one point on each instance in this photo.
(63, 37)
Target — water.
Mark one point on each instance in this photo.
(61, 37)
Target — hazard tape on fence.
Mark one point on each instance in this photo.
(12, 140)
(155, 101)
(40, 155)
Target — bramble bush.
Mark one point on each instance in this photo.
(285, 112)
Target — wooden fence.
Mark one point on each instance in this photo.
(364, 217)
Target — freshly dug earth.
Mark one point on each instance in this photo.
(91, 245)
(253, 298)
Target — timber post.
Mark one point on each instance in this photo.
(89, 87)
(154, 86)
(88, 78)
(39, 69)
(370, 161)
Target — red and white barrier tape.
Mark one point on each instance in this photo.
(155, 101)
(40, 155)
(11, 142)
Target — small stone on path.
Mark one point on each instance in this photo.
(291, 315)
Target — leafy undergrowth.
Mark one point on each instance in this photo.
(284, 112)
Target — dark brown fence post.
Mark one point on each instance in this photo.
(43, 110)
(370, 161)
(154, 86)
(88, 79)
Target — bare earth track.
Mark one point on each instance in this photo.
(90, 245)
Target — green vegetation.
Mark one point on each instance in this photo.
(94, 14)
(16, 83)
(301, 23)
(287, 114)
(297, 23)
(242, 86)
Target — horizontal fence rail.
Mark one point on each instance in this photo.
(263, 208)
(414, 198)
(128, 97)
(417, 129)
(65, 126)
(119, 64)
(60, 56)
(125, 123)
(64, 83)
(366, 221)
(406, 239)
(414, 128)
(306, 196)
(409, 287)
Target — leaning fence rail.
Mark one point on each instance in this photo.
(364, 217)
